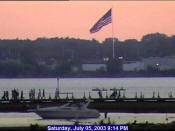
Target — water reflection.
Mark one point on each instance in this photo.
(79, 86)
(25, 119)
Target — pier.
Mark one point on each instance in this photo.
(133, 105)
(115, 102)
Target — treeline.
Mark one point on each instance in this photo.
(57, 55)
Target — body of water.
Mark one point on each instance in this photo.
(25, 119)
(79, 86)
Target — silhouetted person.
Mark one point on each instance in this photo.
(22, 97)
(39, 94)
(100, 93)
(43, 93)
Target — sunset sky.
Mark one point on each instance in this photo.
(132, 19)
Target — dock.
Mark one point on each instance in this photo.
(115, 102)
(128, 105)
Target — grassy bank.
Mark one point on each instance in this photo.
(132, 126)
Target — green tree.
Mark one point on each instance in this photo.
(114, 66)
(12, 68)
(63, 68)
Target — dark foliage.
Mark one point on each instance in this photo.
(51, 56)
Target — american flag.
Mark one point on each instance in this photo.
(106, 19)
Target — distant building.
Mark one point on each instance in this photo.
(48, 62)
(162, 63)
(76, 68)
(133, 66)
(6, 60)
(94, 66)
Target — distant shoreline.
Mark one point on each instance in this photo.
(89, 76)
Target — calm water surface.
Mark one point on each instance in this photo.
(80, 85)
(25, 119)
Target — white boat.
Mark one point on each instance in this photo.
(67, 111)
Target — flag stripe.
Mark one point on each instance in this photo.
(100, 26)
(105, 20)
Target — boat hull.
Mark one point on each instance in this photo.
(68, 114)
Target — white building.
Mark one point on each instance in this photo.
(133, 66)
(162, 63)
(93, 66)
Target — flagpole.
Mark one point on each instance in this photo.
(113, 51)
(58, 84)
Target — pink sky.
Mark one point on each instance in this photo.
(132, 19)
